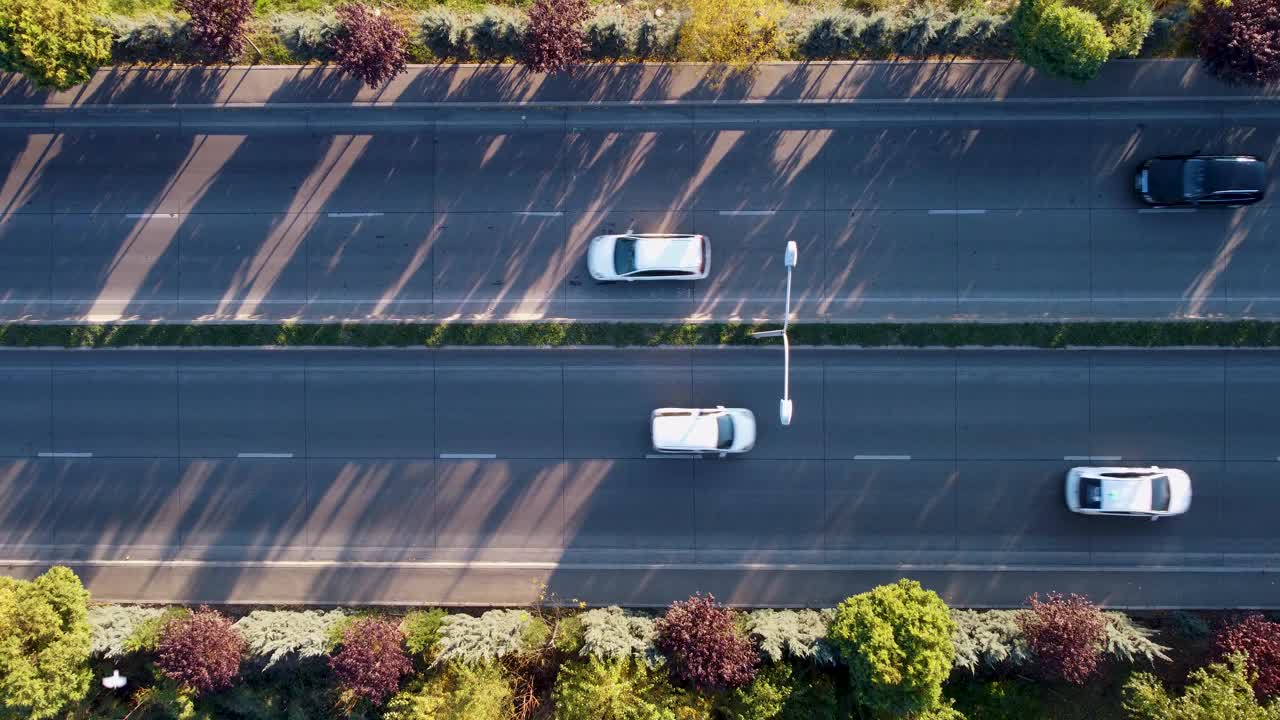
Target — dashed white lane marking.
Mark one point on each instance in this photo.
(65, 454)
(468, 456)
(152, 216)
(353, 214)
(264, 455)
(748, 212)
(881, 457)
(1166, 210)
(672, 457)
(1096, 458)
(958, 212)
(540, 213)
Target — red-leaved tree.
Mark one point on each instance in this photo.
(1240, 41)
(1259, 639)
(200, 651)
(370, 45)
(705, 648)
(1066, 634)
(372, 660)
(554, 40)
(219, 28)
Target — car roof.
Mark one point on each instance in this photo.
(1235, 174)
(694, 431)
(1126, 495)
(668, 253)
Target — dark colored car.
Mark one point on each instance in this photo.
(1201, 180)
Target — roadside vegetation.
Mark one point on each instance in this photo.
(1233, 334)
(58, 43)
(894, 652)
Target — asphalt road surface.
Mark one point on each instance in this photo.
(1017, 211)
(460, 476)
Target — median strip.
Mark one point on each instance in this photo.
(1234, 334)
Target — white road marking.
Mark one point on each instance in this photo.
(353, 214)
(263, 455)
(152, 216)
(881, 457)
(1096, 458)
(468, 456)
(957, 212)
(65, 454)
(672, 457)
(748, 212)
(1166, 210)
(539, 213)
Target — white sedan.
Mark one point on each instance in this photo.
(1151, 492)
(694, 431)
(649, 257)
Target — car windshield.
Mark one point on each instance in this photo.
(1193, 172)
(1160, 493)
(1091, 493)
(724, 426)
(624, 256)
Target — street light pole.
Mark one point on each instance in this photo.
(784, 406)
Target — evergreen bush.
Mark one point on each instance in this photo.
(111, 626)
(497, 33)
(784, 635)
(275, 635)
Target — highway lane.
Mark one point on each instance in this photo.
(1018, 212)
(466, 463)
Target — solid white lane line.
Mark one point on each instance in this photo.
(957, 212)
(1166, 210)
(65, 454)
(353, 214)
(1103, 458)
(540, 213)
(468, 456)
(661, 456)
(264, 455)
(748, 212)
(152, 216)
(881, 457)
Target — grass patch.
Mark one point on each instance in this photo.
(1240, 334)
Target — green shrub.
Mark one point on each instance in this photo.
(737, 33)
(896, 640)
(458, 692)
(792, 634)
(497, 33)
(421, 630)
(613, 634)
(275, 635)
(308, 36)
(919, 31)
(495, 635)
(997, 699)
(1217, 692)
(814, 696)
(990, 639)
(656, 37)
(977, 34)
(1064, 41)
(44, 644)
(878, 34)
(833, 36)
(764, 698)
(1127, 641)
(568, 636)
(111, 626)
(611, 34)
(612, 690)
(444, 34)
(1189, 625)
(54, 43)
(148, 39)
(146, 634)
(1126, 22)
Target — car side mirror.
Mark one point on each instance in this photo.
(1155, 518)
(724, 454)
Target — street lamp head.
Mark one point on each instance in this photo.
(789, 257)
(784, 411)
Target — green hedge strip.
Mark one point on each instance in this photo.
(1244, 333)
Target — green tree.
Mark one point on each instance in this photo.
(1221, 691)
(738, 33)
(55, 43)
(896, 640)
(1126, 22)
(766, 696)
(458, 692)
(44, 644)
(1064, 41)
(596, 689)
